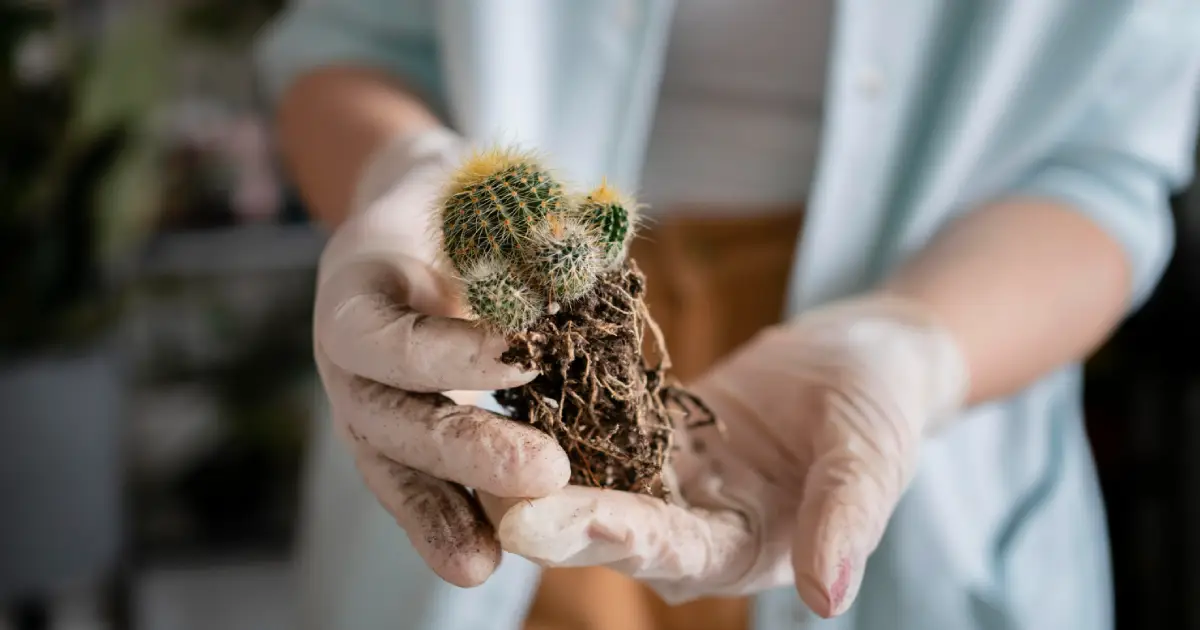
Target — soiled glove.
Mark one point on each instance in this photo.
(389, 345)
(823, 418)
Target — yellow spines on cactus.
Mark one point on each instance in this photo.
(613, 217)
(493, 203)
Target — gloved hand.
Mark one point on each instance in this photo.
(823, 418)
(389, 343)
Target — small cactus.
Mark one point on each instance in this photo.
(495, 201)
(614, 218)
(521, 245)
(497, 298)
(565, 258)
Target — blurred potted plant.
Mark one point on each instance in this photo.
(77, 189)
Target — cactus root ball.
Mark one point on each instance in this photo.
(549, 270)
(601, 390)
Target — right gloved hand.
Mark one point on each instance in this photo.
(391, 349)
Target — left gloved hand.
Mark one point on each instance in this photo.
(822, 420)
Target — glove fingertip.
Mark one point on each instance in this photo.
(500, 374)
(464, 553)
(469, 568)
(546, 531)
(827, 558)
(552, 473)
(446, 353)
(528, 483)
(444, 524)
(814, 594)
(529, 463)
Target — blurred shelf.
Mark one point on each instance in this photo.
(233, 250)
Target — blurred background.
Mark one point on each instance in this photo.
(156, 274)
(156, 385)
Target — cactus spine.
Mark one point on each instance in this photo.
(521, 245)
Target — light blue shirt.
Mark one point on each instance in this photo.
(933, 107)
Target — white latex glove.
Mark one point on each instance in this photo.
(388, 345)
(823, 419)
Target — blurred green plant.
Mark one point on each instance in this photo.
(78, 171)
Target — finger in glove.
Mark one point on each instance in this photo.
(839, 523)
(364, 327)
(639, 535)
(458, 443)
(443, 522)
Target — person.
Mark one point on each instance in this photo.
(969, 197)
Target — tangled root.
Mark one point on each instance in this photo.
(609, 406)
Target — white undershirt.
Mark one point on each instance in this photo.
(739, 112)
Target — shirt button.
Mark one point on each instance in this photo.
(870, 82)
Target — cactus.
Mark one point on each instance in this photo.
(498, 299)
(513, 235)
(495, 201)
(614, 218)
(565, 259)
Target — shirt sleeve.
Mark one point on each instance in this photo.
(1134, 147)
(396, 36)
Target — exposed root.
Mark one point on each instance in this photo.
(610, 407)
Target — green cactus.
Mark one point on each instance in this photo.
(614, 218)
(565, 259)
(495, 201)
(498, 298)
(521, 245)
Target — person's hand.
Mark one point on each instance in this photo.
(390, 344)
(823, 417)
